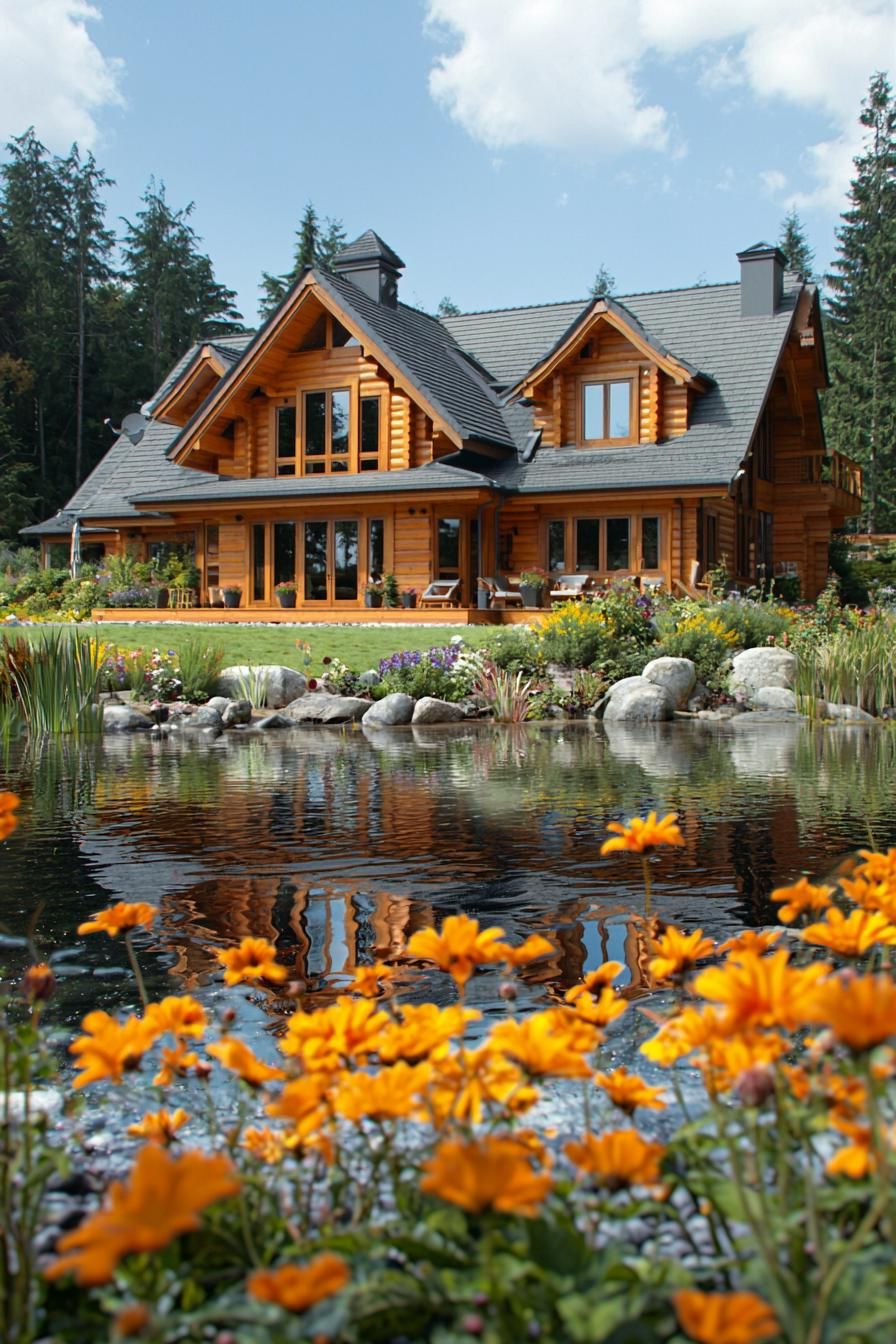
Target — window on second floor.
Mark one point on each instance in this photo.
(326, 432)
(606, 412)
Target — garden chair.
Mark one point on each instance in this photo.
(568, 586)
(692, 588)
(502, 593)
(441, 593)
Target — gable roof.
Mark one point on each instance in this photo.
(366, 248)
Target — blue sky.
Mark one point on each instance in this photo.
(505, 148)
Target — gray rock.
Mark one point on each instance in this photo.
(429, 709)
(42, 1101)
(280, 685)
(847, 713)
(756, 668)
(370, 678)
(390, 712)
(273, 721)
(237, 711)
(642, 703)
(723, 712)
(204, 717)
(318, 707)
(759, 717)
(774, 697)
(699, 698)
(124, 719)
(624, 684)
(678, 676)
(218, 702)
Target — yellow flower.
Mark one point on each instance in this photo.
(459, 948)
(369, 980)
(678, 952)
(161, 1200)
(877, 867)
(602, 976)
(803, 895)
(326, 1039)
(298, 1287)
(390, 1094)
(8, 804)
(109, 1048)
(266, 1144)
(861, 1011)
(305, 1102)
(851, 936)
(724, 1318)
(159, 1126)
(237, 1057)
(617, 1159)
(180, 1014)
(465, 1085)
(534, 947)
(638, 836)
(628, 1091)
(176, 1063)
(121, 917)
(600, 1011)
(547, 1044)
(689, 1030)
(755, 941)
(490, 1173)
(872, 894)
(761, 991)
(725, 1060)
(254, 959)
(423, 1029)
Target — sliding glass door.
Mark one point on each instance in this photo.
(330, 556)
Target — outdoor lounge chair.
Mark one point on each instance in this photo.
(502, 593)
(569, 586)
(693, 588)
(441, 593)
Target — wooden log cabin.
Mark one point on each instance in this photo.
(354, 436)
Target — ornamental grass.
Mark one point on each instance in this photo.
(386, 1174)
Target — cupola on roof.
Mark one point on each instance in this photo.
(372, 265)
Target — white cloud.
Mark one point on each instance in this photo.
(573, 74)
(773, 181)
(53, 76)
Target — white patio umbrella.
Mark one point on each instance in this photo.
(74, 563)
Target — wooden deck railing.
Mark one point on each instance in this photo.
(822, 469)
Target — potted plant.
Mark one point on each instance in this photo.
(232, 596)
(409, 597)
(373, 594)
(532, 585)
(391, 595)
(286, 593)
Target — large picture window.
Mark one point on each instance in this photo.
(326, 432)
(606, 412)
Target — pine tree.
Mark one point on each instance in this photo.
(860, 408)
(332, 240)
(795, 246)
(603, 284)
(316, 245)
(447, 308)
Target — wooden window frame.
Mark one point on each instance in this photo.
(368, 457)
(633, 384)
(635, 542)
(285, 404)
(327, 457)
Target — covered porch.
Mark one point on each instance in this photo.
(276, 615)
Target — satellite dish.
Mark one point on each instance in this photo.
(133, 427)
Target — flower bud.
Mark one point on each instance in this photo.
(203, 1070)
(294, 989)
(228, 1017)
(131, 1320)
(755, 1085)
(507, 991)
(38, 983)
(473, 1323)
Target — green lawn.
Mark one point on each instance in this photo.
(358, 646)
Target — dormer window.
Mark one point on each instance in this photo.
(606, 412)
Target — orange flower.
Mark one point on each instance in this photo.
(877, 867)
(161, 1200)
(298, 1287)
(110, 1048)
(678, 952)
(619, 1158)
(466, 1085)
(237, 1057)
(390, 1094)
(689, 1030)
(638, 836)
(180, 1014)
(121, 917)
(755, 941)
(423, 1030)
(872, 894)
(628, 1091)
(761, 991)
(490, 1173)
(801, 896)
(860, 1011)
(38, 983)
(8, 804)
(267, 1144)
(534, 947)
(159, 1126)
(176, 1063)
(602, 976)
(855, 1159)
(547, 1044)
(328, 1038)
(303, 1101)
(368, 979)
(254, 959)
(600, 1011)
(131, 1320)
(724, 1318)
(852, 936)
(727, 1059)
(459, 948)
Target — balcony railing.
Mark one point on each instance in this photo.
(822, 469)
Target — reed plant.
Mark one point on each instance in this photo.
(253, 686)
(200, 665)
(851, 667)
(58, 691)
(504, 693)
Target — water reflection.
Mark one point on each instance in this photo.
(337, 845)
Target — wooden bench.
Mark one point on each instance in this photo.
(441, 593)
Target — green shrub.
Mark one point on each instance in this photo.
(693, 632)
(852, 666)
(516, 649)
(200, 664)
(752, 622)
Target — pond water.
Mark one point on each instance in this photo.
(337, 845)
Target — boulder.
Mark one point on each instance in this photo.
(644, 702)
(204, 717)
(218, 702)
(273, 721)
(774, 697)
(390, 712)
(624, 684)
(124, 719)
(319, 707)
(429, 709)
(699, 698)
(370, 678)
(237, 711)
(678, 676)
(282, 685)
(843, 713)
(756, 668)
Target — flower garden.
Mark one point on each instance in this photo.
(385, 1171)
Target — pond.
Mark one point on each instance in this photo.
(337, 845)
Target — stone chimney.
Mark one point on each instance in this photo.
(371, 265)
(761, 280)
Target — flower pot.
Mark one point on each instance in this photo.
(373, 599)
(232, 597)
(409, 600)
(286, 599)
(531, 596)
(483, 599)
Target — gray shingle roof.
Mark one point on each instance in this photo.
(228, 347)
(369, 246)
